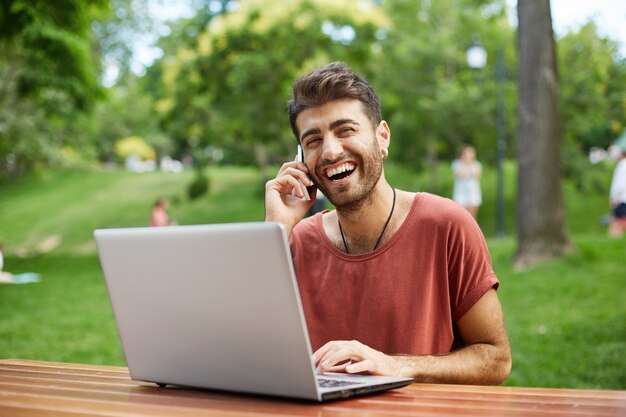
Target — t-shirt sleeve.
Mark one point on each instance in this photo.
(470, 272)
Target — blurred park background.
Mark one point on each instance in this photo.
(89, 139)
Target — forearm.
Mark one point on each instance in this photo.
(478, 364)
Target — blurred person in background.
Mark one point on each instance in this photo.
(159, 216)
(467, 172)
(5, 277)
(617, 194)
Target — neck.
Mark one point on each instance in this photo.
(365, 229)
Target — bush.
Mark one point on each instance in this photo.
(134, 145)
(199, 186)
(585, 176)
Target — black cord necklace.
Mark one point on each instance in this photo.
(393, 206)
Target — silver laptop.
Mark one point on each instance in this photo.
(218, 307)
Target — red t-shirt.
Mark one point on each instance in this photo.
(405, 296)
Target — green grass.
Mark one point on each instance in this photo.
(71, 205)
(66, 317)
(566, 318)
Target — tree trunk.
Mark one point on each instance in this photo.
(541, 227)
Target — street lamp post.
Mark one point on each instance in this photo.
(476, 55)
(477, 59)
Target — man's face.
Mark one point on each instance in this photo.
(342, 150)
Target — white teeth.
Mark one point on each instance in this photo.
(342, 168)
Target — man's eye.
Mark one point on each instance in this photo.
(312, 142)
(345, 131)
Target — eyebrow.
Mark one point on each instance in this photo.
(340, 122)
(332, 126)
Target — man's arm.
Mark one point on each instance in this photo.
(486, 358)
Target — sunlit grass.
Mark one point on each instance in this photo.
(566, 318)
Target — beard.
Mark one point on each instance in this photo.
(352, 197)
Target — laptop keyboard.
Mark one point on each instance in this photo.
(334, 383)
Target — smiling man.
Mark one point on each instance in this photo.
(392, 282)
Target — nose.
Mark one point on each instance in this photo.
(332, 149)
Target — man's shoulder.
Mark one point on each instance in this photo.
(436, 205)
(434, 211)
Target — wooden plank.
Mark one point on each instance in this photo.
(6, 410)
(497, 394)
(396, 404)
(34, 388)
(63, 365)
(85, 379)
(566, 392)
(34, 404)
(66, 371)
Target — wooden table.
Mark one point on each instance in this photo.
(36, 388)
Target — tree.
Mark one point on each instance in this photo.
(127, 110)
(432, 99)
(541, 224)
(593, 81)
(47, 72)
(46, 44)
(230, 88)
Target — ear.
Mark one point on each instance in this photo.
(383, 135)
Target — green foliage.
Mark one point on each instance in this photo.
(199, 186)
(593, 105)
(127, 111)
(592, 100)
(231, 87)
(48, 42)
(114, 32)
(134, 145)
(432, 99)
(35, 136)
(46, 77)
(585, 176)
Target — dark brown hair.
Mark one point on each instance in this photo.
(334, 81)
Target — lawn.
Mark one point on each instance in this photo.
(566, 318)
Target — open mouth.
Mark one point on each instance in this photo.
(340, 172)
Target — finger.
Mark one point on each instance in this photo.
(320, 355)
(289, 189)
(301, 192)
(299, 188)
(286, 165)
(305, 192)
(366, 365)
(283, 185)
(322, 351)
(339, 358)
(297, 173)
(323, 354)
(293, 165)
(336, 345)
(336, 368)
(330, 348)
